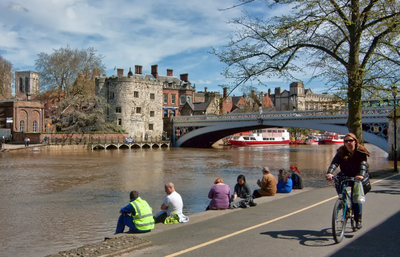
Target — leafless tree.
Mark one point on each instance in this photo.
(5, 78)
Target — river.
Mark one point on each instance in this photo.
(58, 200)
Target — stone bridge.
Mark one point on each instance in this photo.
(204, 130)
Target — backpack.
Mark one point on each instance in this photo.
(297, 181)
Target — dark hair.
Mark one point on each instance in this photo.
(241, 177)
(134, 194)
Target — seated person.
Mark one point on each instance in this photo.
(296, 178)
(267, 184)
(219, 194)
(284, 182)
(242, 192)
(130, 216)
(172, 204)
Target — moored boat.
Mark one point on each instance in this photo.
(312, 141)
(333, 138)
(260, 137)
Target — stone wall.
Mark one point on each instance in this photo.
(135, 104)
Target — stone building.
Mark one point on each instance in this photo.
(135, 102)
(299, 98)
(27, 83)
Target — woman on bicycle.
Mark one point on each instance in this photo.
(352, 159)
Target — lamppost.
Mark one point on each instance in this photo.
(394, 92)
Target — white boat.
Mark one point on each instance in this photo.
(333, 138)
(261, 137)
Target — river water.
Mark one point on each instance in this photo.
(53, 201)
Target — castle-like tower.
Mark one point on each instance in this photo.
(27, 83)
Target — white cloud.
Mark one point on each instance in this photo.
(174, 34)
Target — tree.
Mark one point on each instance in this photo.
(60, 69)
(5, 78)
(353, 44)
(83, 114)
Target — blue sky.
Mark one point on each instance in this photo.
(175, 34)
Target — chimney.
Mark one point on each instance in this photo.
(225, 92)
(154, 71)
(170, 72)
(205, 89)
(269, 92)
(120, 72)
(140, 69)
(277, 91)
(137, 69)
(185, 77)
(130, 73)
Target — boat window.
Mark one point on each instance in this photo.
(252, 138)
(245, 138)
(265, 138)
(269, 131)
(235, 138)
(264, 130)
(274, 130)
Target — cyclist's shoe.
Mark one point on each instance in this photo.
(358, 225)
(252, 204)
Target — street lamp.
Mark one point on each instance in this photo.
(394, 92)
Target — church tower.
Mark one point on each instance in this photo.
(27, 83)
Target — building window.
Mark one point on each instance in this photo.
(138, 109)
(118, 109)
(150, 126)
(165, 98)
(152, 96)
(111, 95)
(22, 126)
(188, 99)
(119, 122)
(136, 94)
(34, 126)
(173, 100)
(27, 87)
(183, 99)
(21, 85)
(151, 113)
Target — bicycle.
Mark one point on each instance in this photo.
(342, 210)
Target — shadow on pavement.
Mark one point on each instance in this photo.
(307, 237)
(382, 240)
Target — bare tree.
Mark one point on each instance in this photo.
(60, 69)
(83, 114)
(5, 78)
(353, 44)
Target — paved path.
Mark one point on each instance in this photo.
(295, 224)
(10, 147)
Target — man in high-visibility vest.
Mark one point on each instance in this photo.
(137, 215)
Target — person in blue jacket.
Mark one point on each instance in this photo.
(137, 215)
(285, 182)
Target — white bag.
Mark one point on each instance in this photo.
(358, 193)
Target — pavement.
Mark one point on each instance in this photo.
(294, 224)
(14, 147)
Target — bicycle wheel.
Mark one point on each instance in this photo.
(339, 220)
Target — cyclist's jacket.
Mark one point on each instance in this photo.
(350, 164)
(143, 215)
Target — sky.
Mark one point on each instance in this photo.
(174, 34)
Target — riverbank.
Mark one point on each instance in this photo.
(116, 245)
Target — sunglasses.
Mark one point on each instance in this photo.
(349, 140)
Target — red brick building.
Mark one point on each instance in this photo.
(22, 115)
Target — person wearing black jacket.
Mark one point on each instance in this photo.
(352, 160)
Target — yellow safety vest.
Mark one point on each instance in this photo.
(143, 218)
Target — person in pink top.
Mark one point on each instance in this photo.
(220, 195)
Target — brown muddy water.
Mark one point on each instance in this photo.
(58, 200)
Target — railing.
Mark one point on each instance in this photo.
(65, 140)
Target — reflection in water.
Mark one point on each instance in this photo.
(53, 201)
